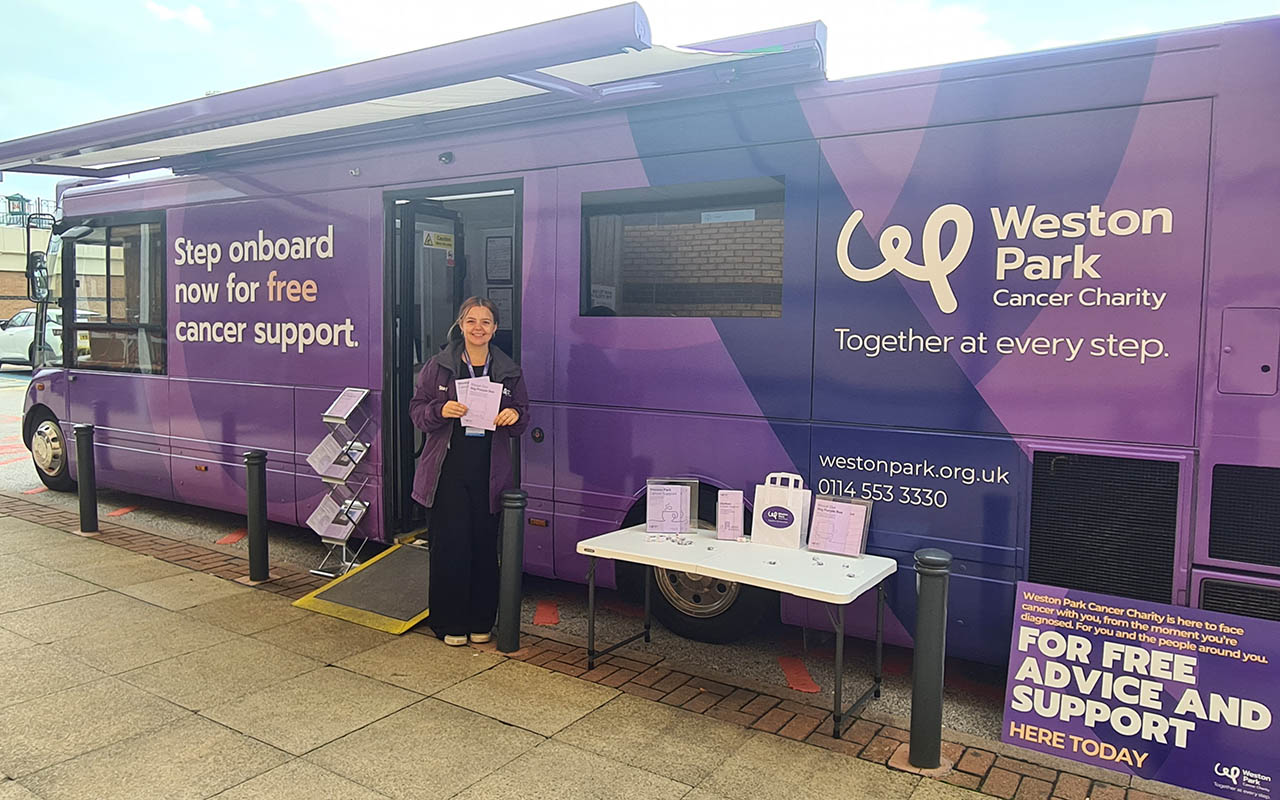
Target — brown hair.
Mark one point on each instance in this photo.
(467, 305)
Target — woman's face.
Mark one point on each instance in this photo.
(477, 326)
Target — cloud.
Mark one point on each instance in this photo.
(192, 16)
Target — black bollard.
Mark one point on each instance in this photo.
(86, 479)
(509, 591)
(933, 570)
(255, 462)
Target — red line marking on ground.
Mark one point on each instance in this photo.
(13, 460)
(233, 537)
(37, 490)
(548, 613)
(797, 674)
(120, 512)
(16, 447)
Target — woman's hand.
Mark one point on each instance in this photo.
(453, 410)
(507, 416)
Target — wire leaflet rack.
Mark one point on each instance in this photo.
(334, 459)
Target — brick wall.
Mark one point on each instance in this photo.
(720, 269)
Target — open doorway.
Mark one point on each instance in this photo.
(443, 246)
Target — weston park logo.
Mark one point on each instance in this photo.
(895, 244)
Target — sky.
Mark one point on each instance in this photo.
(69, 62)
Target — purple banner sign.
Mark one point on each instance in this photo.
(1166, 693)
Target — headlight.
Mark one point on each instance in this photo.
(57, 331)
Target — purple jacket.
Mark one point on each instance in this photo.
(433, 389)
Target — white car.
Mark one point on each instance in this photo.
(17, 336)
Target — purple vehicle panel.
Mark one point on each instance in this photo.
(1026, 305)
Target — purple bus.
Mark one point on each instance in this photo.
(1025, 305)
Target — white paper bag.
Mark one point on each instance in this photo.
(780, 516)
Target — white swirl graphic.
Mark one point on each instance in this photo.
(895, 243)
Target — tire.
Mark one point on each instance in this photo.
(31, 355)
(696, 607)
(49, 452)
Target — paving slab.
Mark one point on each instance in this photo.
(769, 767)
(12, 641)
(220, 673)
(78, 616)
(189, 759)
(27, 591)
(62, 725)
(18, 535)
(313, 709)
(247, 613)
(531, 697)
(438, 750)
(667, 741)
(66, 555)
(137, 644)
(13, 565)
(929, 789)
(184, 591)
(703, 794)
(421, 664)
(118, 573)
(33, 672)
(12, 790)
(555, 770)
(324, 638)
(297, 780)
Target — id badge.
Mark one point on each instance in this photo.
(475, 431)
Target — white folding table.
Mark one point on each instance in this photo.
(833, 579)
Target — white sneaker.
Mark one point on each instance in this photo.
(455, 641)
(480, 638)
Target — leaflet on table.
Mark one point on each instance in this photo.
(839, 525)
(729, 514)
(668, 508)
(483, 401)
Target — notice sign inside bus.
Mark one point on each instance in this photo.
(1172, 694)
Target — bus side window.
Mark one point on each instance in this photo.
(119, 279)
(693, 250)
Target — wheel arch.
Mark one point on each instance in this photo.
(28, 421)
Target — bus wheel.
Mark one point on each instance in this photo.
(694, 606)
(708, 609)
(49, 453)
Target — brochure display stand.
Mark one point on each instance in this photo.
(334, 460)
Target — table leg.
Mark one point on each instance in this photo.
(838, 708)
(591, 614)
(648, 583)
(879, 634)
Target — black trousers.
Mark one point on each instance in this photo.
(464, 557)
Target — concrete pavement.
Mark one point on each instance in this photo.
(128, 676)
(125, 676)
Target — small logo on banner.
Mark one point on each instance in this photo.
(778, 517)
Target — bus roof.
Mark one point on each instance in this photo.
(594, 60)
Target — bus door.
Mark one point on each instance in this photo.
(445, 246)
(113, 305)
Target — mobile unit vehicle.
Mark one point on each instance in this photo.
(1027, 305)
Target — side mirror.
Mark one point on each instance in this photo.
(38, 260)
(37, 277)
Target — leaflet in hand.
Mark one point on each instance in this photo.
(483, 399)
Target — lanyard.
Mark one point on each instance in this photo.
(484, 373)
